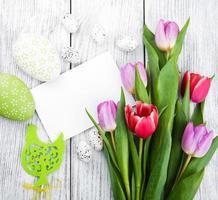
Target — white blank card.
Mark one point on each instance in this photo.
(61, 103)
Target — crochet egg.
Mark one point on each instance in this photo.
(95, 140)
(127, 43)
(35, 55)
(70, 23)
(16, 101)
(84, 151)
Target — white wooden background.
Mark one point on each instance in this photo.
(81, 181)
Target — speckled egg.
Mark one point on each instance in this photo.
(99, 34)
(35, 55)
(70, 23)
(16, 101)
(127, 43)
(84, 151)
(95, 140)
(71, 55)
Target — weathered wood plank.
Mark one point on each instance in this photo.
(121, 17)
(14, 16)
(198, 55)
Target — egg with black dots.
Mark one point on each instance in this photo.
(95, 140)
(84, 151)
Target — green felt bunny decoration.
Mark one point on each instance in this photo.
(40, 159)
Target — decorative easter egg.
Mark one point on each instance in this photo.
(35, 55)
(70, 23)
(99, 34)
(71, 55)
(16, 101)
(84, 151)
(95, 140)
(127, 43)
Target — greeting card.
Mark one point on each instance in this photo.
(61, 103)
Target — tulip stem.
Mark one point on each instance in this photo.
(140, 148)
(113, 140)
(188, 159)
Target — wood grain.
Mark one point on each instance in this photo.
(90, 181)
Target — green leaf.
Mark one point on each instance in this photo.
(153, 69)
(107, 143)
(140, 89)
(135, 161)
(179, 42)
(197, 116)
(187, 188)
(150, 38)
(122, 145)
(117, 185)
(158, 173)
(186, 101)
(175, 161)
(168, 82)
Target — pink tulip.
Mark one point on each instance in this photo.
(166, 35)
(128, 75)
(107, 115)
(199, 86)
(196, 140)
(144, 121)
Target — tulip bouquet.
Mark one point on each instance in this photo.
(159, 148)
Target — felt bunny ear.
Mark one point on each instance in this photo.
(40, 159)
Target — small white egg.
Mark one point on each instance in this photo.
(70, 23)
(127, 43)
(71, 55)
(84, 151)
(98, 34)
(95, 140)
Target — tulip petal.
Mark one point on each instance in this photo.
(127, 73)
(145, 127)
(204, 145)
(128, 111)
(201, 90)
(160, 37)
(188, 143)
(107, 115)
(171, 32)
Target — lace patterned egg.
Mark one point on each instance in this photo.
(99, 34)
(35, 55)
(71, 55)
(70, 23)
(95, 140)
(127, 43)
(84, 151)
(16, 101)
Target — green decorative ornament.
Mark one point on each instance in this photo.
(16, 100)
(40, 159)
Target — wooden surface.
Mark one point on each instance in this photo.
(82, 181)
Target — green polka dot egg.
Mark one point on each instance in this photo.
(16, 101)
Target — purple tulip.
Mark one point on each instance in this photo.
(107, 111)
(196, 140)
(128, 75)
(166, 35)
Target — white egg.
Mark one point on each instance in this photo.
(70, 23)
(84, 151)
(98, 34)
(71, 55)
(35, 55)
(127, 43)
(95, 140)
